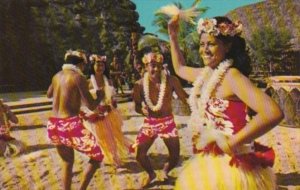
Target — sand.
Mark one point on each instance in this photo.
(39, 166)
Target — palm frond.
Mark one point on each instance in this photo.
(195, 3)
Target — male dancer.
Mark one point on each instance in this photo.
(153, 98)
(65, 129)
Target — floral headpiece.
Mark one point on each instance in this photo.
(97, 58)
(77, 54)
(153, 57)
(226, 29)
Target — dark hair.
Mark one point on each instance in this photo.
(238, 51)
(75, 60)
(92, 70)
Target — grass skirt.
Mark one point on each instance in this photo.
(213, 172)
(109, 135)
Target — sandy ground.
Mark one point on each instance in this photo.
(39, 167)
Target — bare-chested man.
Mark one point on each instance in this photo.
(65, 129)
(153, 98)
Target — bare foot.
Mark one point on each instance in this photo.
(149, 180)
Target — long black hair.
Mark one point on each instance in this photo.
(238, 51)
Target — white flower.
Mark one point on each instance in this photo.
(72, 67)
(210, 26)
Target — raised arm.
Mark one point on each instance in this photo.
(268, 112)
(185, 72)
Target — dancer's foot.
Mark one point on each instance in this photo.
(149, 180)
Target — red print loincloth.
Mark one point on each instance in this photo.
(156, 127)
(71, 132)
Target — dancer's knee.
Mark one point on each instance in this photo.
(140, 156)
(95, 163)
(175, 156)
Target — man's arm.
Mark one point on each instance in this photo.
(140, 107)
(86, 95)
(137, 99)
(50, 91)
(182, 95)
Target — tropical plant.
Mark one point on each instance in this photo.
(36, 33)
(187, 38)
(273, 49)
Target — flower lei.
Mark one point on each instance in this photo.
(102, 110)
(198, 105)
(162, 90)
(108, 90)
(72, 67)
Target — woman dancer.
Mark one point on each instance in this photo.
(226, 155)
(106, 121)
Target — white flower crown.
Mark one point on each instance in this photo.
(97, 58)
(210, 26)
(77, 54)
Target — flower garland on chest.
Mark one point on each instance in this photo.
(162, 91)
(108, 90)
(72, 67)
(204, 85)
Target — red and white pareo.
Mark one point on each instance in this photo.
(211, 169)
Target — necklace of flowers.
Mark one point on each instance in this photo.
(72, 67)
(162, 90)
(198, 105)
(108, 91)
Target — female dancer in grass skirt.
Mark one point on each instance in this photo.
(226, 155)
(106, 121)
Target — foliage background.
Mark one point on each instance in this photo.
(34, 35)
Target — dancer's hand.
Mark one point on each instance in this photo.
(100, 94)
(173, 26)
(145, 109)
(224, 145)
(114, 103)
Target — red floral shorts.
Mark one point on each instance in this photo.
(156, 127)
(71, 132)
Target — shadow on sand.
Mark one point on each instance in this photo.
(37, 147)
(157, 161)
(26, 127)
(289, 179)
